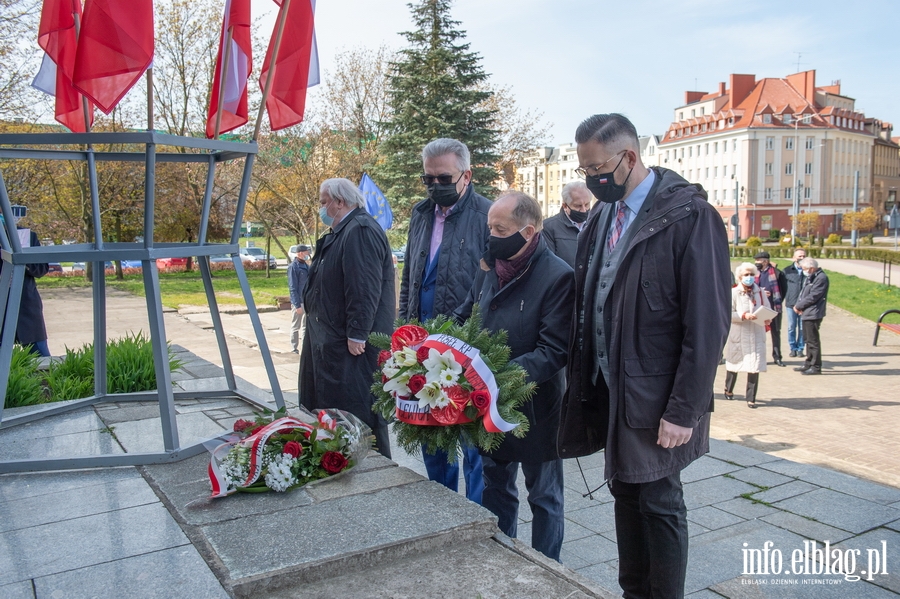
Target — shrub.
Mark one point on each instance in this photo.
(73, 376)
(774, 234)
(834, 239)
(23, 386)
(130, 366)
(754, 242)
(870, 239)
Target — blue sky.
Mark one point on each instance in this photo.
(574, 58)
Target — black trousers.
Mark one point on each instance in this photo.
(813, 343)
(652, 537)
(775, 328)
(752, 384)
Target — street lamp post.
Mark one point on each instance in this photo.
(798, 183)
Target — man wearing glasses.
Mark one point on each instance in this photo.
(448, 235)
(653, 309)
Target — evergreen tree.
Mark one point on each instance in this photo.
(434, 92)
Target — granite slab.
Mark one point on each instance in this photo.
(706, 467)
(145, 436)
(760, 477)
(878, 559)
(33, 484)
(745, 587)
(88, 443)
(714, 490)
(17, 590)
(599, 518)
(806, 528)
(839, 510)
(791, 489)
(837, 481)
(738, 454)
(712, 518)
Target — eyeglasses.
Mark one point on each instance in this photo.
(442, 179)
(593, 171)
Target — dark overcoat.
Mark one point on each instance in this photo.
(668, 315)
(349, 294)
(814, 296)
(31, 327)
(561, 236)
(536, 310)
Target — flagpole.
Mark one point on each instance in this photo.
(225, 59)
(150, 99)
(84, 101)
(282, 17)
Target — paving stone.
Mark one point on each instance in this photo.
(706, 467)
(79, 421)
(808, 529)
(753, 587)
(895, 525)
(746, 508)
(712, 518)
(81, 542)
(704, 594)
(355, 483)
(837, 481)
(204, 371)
(738, 454)
(600, 518)
(145, 436)
(150, 576)
(74, 503)
(426, 512)
(571, 560)
(34, 484)
(718, 554)
(17, 590)
(761, 477)
(606, 574)
(595, 461)
(199, 405)
(839, 510)
(574, 531)
(876, 545)
(695, 529)
(593, 549)
(88, 443)
(791, 489)
(128, 413)
(714, 490)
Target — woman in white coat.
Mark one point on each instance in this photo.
(746, 347)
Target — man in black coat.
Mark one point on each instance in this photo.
(447, 236)
(298, 273)
(774, 283)
(561, 230)
(795, 278)
(349, 294)
(653, 310)
(31, 332)
(527, 291)
(811, 308)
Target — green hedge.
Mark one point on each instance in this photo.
(852, 253)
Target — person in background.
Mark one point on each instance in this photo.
(448, 234)
(31, 333)
(561, 230)
(745, 350)
(298, 273)
(774, 284)
(795, 278)
(527, 291)
(349, 295)
(811, 308)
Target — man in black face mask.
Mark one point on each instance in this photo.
(448, 234)
(653, 310)
(561, 230)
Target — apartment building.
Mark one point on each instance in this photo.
(885, 166)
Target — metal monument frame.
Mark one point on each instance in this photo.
(15, 257)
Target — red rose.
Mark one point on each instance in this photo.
(241, 425)
(407, 335)
(257, 429)
(333, 462)
(447, 415)
(422, 354)
(416, 382)
(293, 449)
(481, 400)
(383, 356)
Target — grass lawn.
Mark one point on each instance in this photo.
(186, 288)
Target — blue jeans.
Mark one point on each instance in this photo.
(544, 482)
(795, 330)
(447, 473)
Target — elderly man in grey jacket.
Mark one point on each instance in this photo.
(448, 234)
(811, 308)
(561, 230)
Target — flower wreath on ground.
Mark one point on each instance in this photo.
(442, 382)
(278, 452)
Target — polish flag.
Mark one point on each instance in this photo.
(115, 47)
(296, 65)
(56, 36)
(236, 72)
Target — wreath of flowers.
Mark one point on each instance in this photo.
(443, 383)
(278, 452)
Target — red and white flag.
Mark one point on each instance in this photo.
(115, 47)
(56, 36)
(236, 72)
(296, 65)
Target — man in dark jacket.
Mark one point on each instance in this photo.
(795, 278)
(447, 236)
(560, 231)
(528, 292)
(811, 308)
(349, 294)
(773, 282)
(31, 333)
(653, 301)
(298, 273)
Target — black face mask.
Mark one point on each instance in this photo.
(604, 186)
(577, 216)
(443, 195)
(504, 248)
(759, 266)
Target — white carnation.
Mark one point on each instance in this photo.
(279, 476)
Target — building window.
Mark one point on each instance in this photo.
(789, 168)
(725, 171)
(769, 169)
(716, 195)
(734, 144)
(786, 119)
(690, 151)
(698, 149)
(809, 142)
(770, 143)
(807, 193)
(702, 111)
(716, 148)
(682, 152)
(693, 112)
(716, 172)
(768, 193)
(767, 119)
(680, 116)
(707, 173)
(788, 143)
(787, 193)
(706, 149)
(808, 168)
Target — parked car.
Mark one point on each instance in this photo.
(132, 264)
(54, 267)
(79, 266)
(400, 253)
(170, 262)
(221, 258)
(257, 255)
